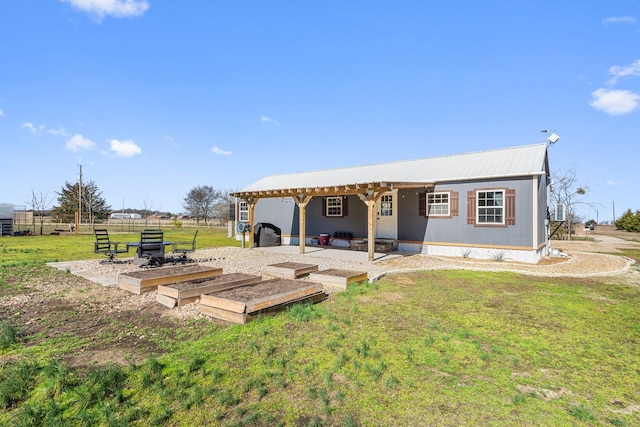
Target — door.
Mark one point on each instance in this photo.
(387, 216)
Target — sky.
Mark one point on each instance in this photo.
(155, 97)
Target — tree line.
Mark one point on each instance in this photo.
(202, 203)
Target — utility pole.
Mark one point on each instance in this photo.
(79, 221)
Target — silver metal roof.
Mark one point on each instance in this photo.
(525, 160)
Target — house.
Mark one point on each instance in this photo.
(488, 204)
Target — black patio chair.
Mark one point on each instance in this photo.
(151, 248)
(106, 246)
(184, 247)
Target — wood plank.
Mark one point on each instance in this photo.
(289, 270)
(221, 314)
(340, 277)
(196, 288)
(313, 298)
(242, 318)
(152, 278)
(166, 301)
(226, 304)
(135, 289)
(273, 300)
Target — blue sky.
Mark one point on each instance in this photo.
(156, 97)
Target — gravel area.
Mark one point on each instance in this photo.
(253, 261)
(571, 263)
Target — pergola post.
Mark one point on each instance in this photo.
(251, 204)
(370, 197)
(302, 200)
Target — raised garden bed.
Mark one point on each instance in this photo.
(179, 294)
(289, 270)
(245, 303)
(335, 277)
(139, 282)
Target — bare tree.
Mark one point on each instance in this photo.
(568, 191)
(40, 203)
(146, 207)
(200, 201)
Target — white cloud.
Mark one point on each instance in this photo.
(115, 8)
(58, 132)
(619, 19)
(124, 148)
(219, 151)
(36, 130)
(78, 142)
(265, 119)
(619, 71)
(614, 102)
(1, 113)
(612, 182)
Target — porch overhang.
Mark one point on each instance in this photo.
(368, 192)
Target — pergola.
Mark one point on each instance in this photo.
(369, 193)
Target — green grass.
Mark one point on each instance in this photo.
(454, 348)
(30, 250)
(426, 348)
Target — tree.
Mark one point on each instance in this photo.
(221, 207)
(93, 204)
(200, 201)
(629, 221)
(567, 190)
(39, 205)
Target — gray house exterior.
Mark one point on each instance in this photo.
(490, 204)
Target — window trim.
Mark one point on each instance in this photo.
(454, 202)
(508, 207)
(501, 207)
(328, 208)
(447, 204)
(243, 211)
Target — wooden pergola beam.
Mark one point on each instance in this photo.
(369, 193)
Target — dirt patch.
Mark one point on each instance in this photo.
(102, 325)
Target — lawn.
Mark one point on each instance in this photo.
(435, 348)
(37, 249)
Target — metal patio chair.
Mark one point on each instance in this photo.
(104, 245)
(184, 248)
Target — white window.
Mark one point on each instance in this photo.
(438, 204)
(243, 210)
(333, 206)
(386, 205)
(490, 207)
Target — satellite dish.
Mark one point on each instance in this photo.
(553, 138)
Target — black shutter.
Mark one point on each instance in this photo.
(422, 204)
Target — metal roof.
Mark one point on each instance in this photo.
(525, 160)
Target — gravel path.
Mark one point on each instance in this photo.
(253, 261)
(571, 263)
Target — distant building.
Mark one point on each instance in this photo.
(123, 215)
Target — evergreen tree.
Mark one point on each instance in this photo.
(94, 206)
(629, 221)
